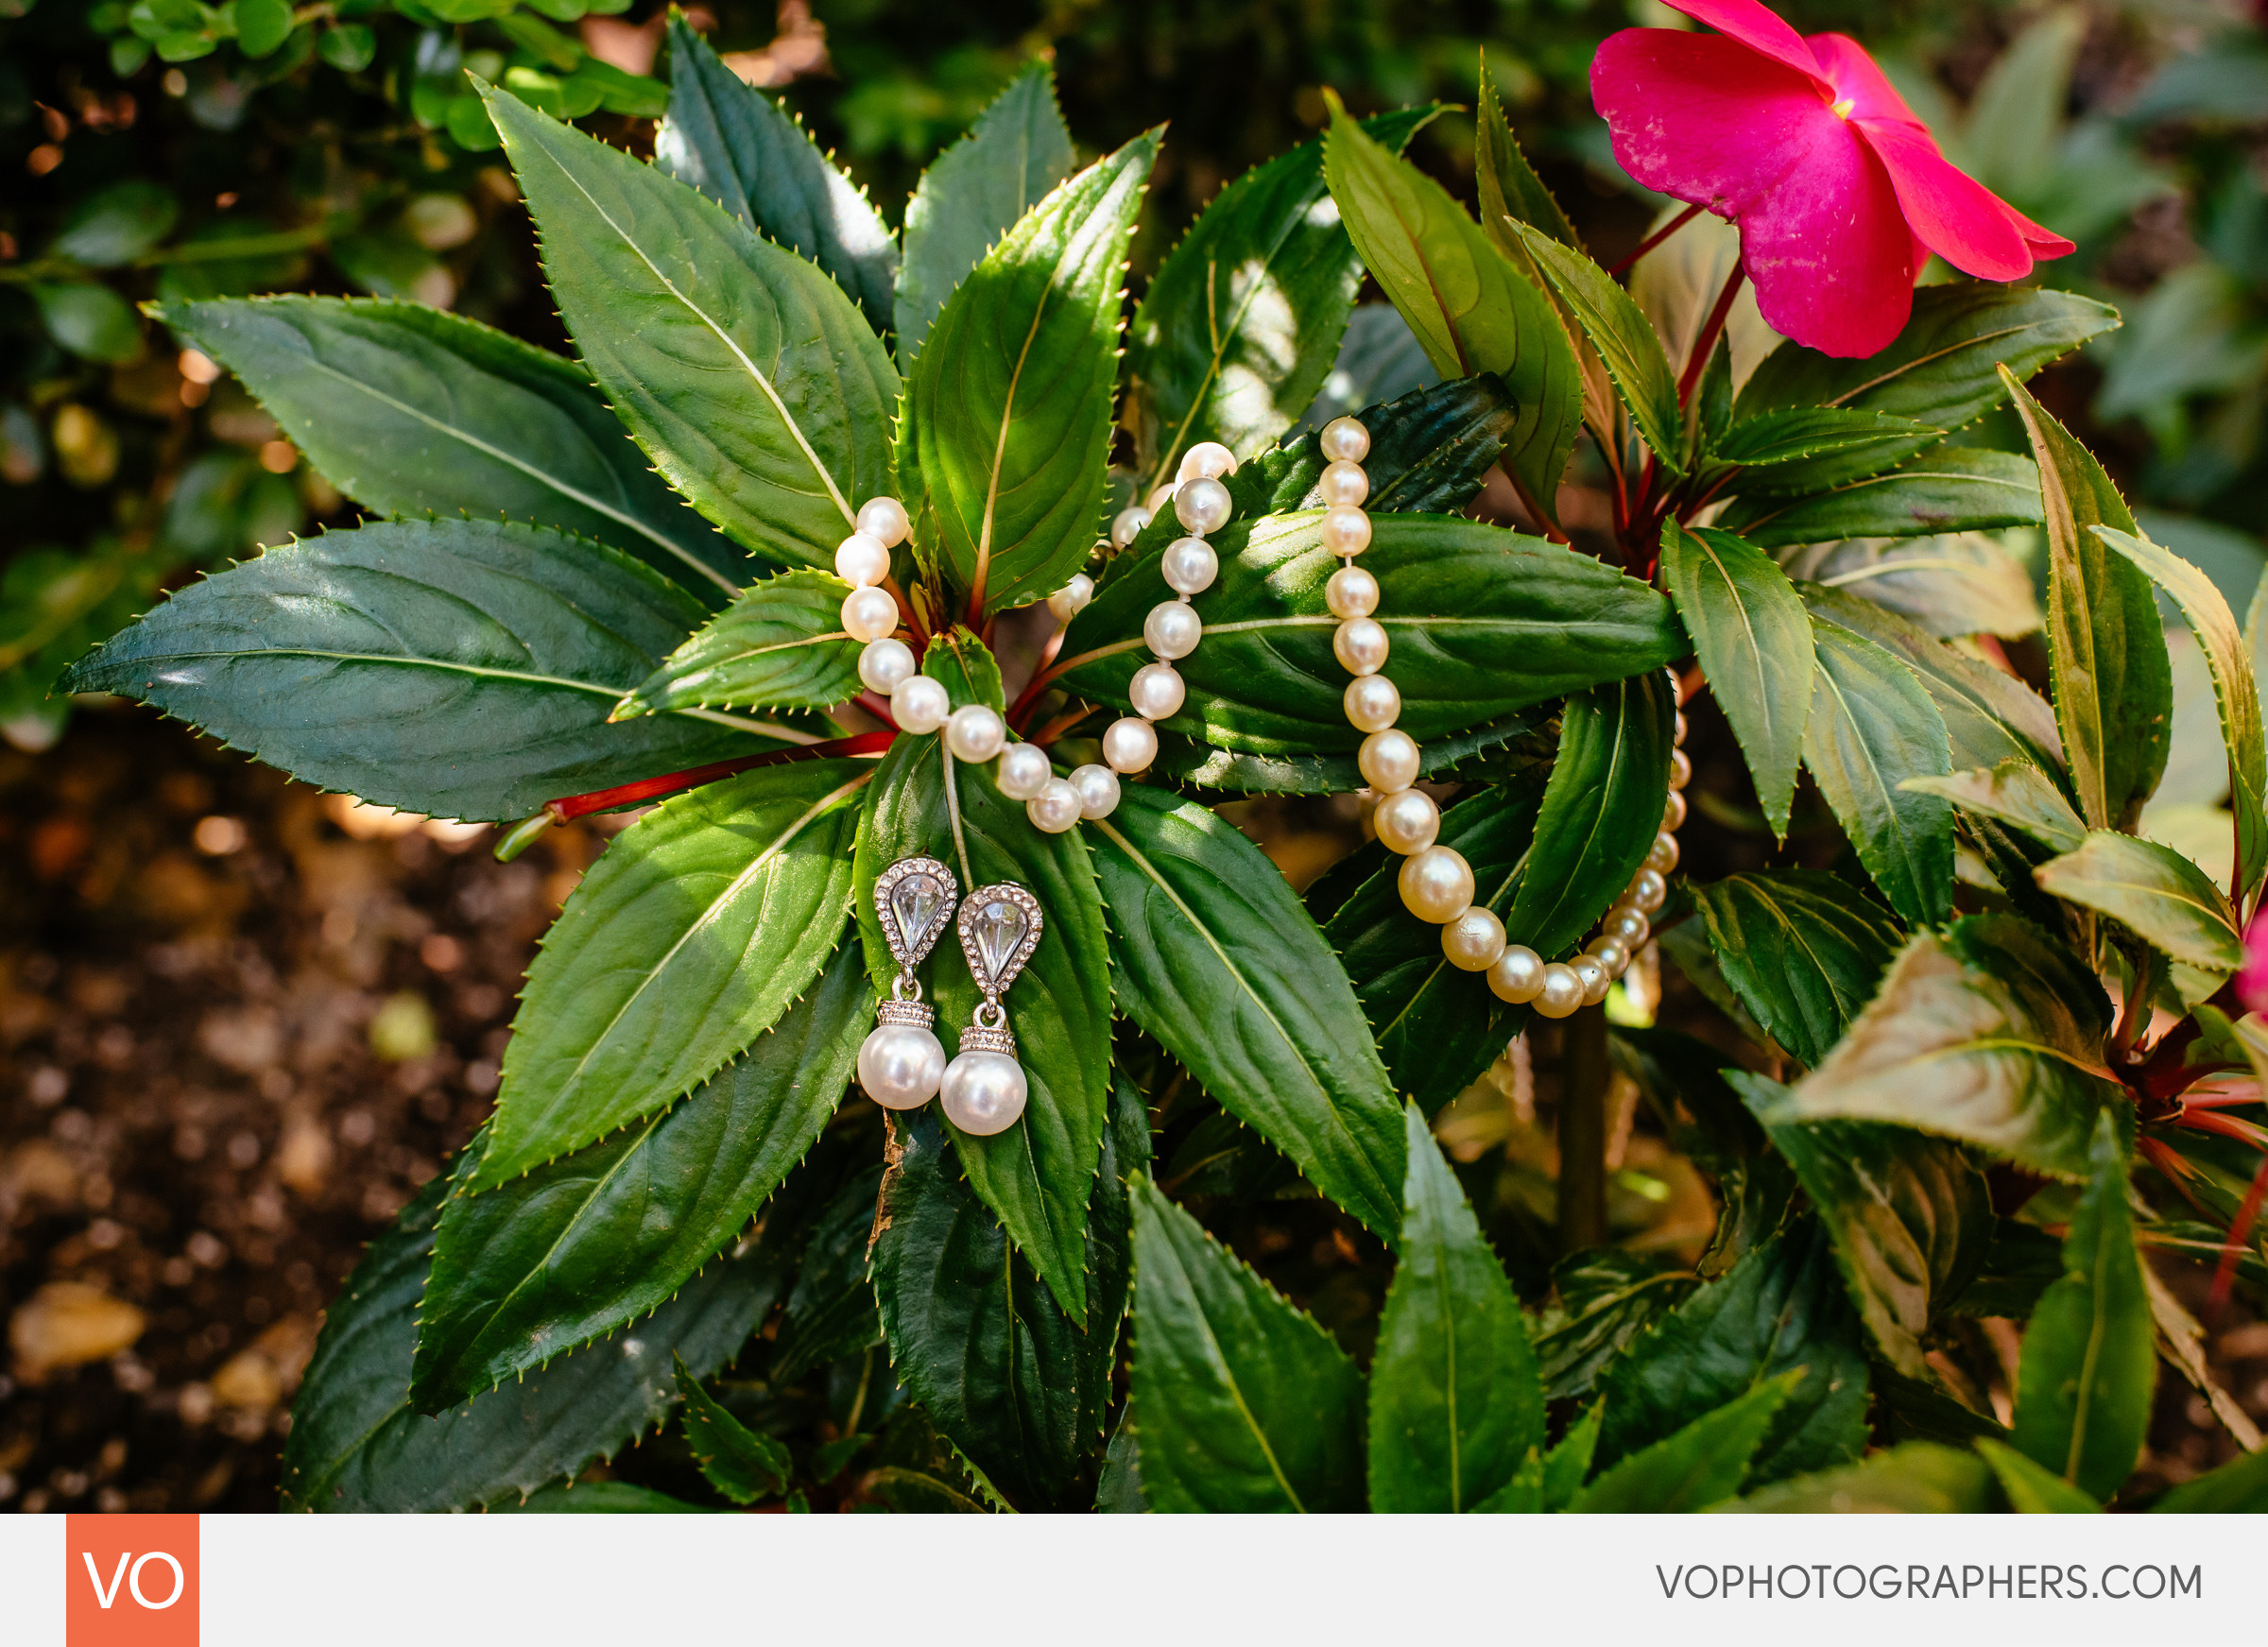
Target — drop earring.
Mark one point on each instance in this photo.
(985, 1087)
(901, 1063)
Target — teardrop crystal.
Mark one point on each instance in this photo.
(914, 903)
(998, 927)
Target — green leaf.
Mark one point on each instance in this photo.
(2032, 1490)
(1007, 418)
(2154, 892)
(780, 644)
(2107, 652)
(2235, 692)
(1781, 1308)
(1509, 188)
(1481, 621)
(1011, 158)
(1625, 340)
(1567, 1465)
(740, 1462)
(742, 150)
(1947, 488)
(1754, 640)
(1990, 1032)
(1607, 1297)
(1911, 1216)
(118, 224)
(1219, 961)
(1959, 583)
(413, 411)
(357, 1443)
(2089, 1367)
(1916, 1478)
(1017, 1388)
(1703, 1464)
(1437, 1026)
(1244, 1404)
(1872, 726)
(1456, 1406)
(1802, 949)
(2015, 792)
(1800, 450)
(1242, 322)
(1602, 809)
(587, 1242)
(831, 1312)
(460, 668)
(689, 938)
(1510, 746)
(91, 321)
(2238, 1488)
(596, 1497)
(1943, 370)
(1038, 1176)
(742, 370)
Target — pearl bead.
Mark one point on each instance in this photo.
(1070, 600)
(884, 519)
(884, 664)
(974, 733)
(1188, 565)
(1595, 979)
(1436, 883)
(1171, 630)
(1345, 440)
(1023, 771)
(984, 1092)
(1678, 735)
(1372, 702)
(900, 1065)
(1663, 858)
(870, 613)
(1351, 592)
(1344, 482)
(1130, 745)
(1610, 954)
(1560, 994)
(1159, 497)
(1346, 530)
(1473, 940)
(1207, 460)
(1098, 790)
(920, 704)
(1407, 822)
(1157, 692)
(1203, 506)
(1672, 812)
(1518, 975)
(1681, 769)
(1360, 645)
(1056, 808)
(1388, 761)
(1648, 891)
(862, 559)
(1128, 525)
(1626, 926)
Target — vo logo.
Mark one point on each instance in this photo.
(130, 1581)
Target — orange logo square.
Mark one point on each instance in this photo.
(130, 1581)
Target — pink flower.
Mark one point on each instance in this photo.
(1840, 192)
(2252, 978)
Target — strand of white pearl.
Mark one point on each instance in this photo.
(1437, 883)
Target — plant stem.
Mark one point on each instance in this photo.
(569, 807)
(1584, 1077)
(1711, 329)
(1654, 239)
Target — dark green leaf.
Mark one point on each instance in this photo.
(2107, 652)
(689, 937)
(1606, 1299)
(2154, 892)
(737, 147)
(1015, 154)
(1217, 959)
(596, 1497)
(1948, 488)
(1456, 1406)
(831, 1313)
(2022, 1261)
(1509, 188)
(413, 411)
(1568, 1465)
(2015, 792)
(1800, 450)
(1703, 1464)
(118, 224)
(1918, 1478)
(1803, 949)
(743, 1464)
(595, 1239)
(1754, 640)
(1510, 748)
(1119, 1492)
(90, 320)
(780, 644)
(1959, 583)
(1483, 621)
(1991, 1033)
(460, 668)
(2238, 1488)
(2032, 1490)
(744, 371)
(1244, 1404)
(2089, 1366)
(1873, 726)
(1625, 340)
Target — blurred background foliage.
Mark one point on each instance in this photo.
(160, 149)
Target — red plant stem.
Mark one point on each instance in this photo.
(1711, 329)
(2225, 1126)
(877, 706)
(1021, 710)
(569, 807)
(1654, 239)
(2225, 1273)
(906, 613)
(1062, 724)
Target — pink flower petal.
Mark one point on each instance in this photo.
(1855, 76)
(1758, 28)
(1704, 118)
(1954, 215)
(2252, 979)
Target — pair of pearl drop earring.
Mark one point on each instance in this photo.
(901, 1063)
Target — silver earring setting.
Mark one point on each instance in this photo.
(901, 1063)
(984, 1088)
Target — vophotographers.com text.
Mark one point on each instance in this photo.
(1916, 1581)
